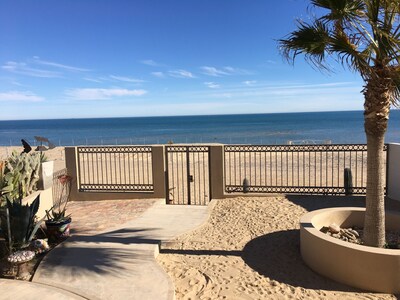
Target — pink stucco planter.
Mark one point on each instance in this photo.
(363, 267)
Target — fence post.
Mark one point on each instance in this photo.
(217, 171)
(158, 168)
(71, 165)
(393, 171)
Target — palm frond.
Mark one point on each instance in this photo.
(310, 39)
(341, 10)
(349, 55)
(396, 86)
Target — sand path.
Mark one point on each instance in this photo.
(249, 249)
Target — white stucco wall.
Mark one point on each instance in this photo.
(46, 201)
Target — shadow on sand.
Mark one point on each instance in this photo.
(310, 202)
(277, 256)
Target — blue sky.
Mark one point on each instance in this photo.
(123, 58)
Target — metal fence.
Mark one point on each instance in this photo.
(188, 175)
(311, 169)
(115, 169)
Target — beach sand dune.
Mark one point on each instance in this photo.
(249, 249)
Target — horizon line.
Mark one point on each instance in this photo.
(189, 115)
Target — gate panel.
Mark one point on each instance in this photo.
(304, 169)
(115, 168)
(188, 178)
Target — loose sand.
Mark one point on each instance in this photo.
(249, 249)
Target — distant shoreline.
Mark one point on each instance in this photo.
(189, 116)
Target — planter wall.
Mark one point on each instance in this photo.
(46, 201)
(363, 267)
(46, 175)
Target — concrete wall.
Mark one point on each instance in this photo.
(46, 201)
(367, 268)
(217, 172)
(393, 172)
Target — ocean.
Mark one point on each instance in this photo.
(264, 129)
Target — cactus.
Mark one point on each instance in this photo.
(19, 170)
(348, 181)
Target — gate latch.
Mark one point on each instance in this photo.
(190, 178)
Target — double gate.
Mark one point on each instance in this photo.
(188, 175)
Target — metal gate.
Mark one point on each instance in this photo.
(188, 175)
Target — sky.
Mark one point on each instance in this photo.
(127, 58)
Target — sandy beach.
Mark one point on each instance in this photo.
(249, 249)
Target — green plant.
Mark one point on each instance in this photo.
(57, 213)
(19, 174)
(43, 157)
(2, 184)
(18, 222)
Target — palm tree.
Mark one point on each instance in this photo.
(363, 35)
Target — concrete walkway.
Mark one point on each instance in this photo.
(120, 263)
(25, 290)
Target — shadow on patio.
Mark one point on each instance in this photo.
(109, 252)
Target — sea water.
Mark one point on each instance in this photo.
(317, 127)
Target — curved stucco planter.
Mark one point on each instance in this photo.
(363, 267)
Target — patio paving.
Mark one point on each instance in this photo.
(119, 263)
(25, 290)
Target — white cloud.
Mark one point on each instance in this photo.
(236, 71)
(212, 71)
(24, 96)
(92, 79)
(212, 85)
(222, 95)
(24, 69)
(37, 68)
(151, 62)
(126, 79)
(102, 94)
(249, 82)
(224, 71)
(37, 60)
(181, 74)
(158, 74)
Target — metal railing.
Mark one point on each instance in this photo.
(311, 169)
(115, 168)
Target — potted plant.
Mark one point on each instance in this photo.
(58, 222)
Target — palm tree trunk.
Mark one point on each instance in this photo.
(374, 222)
(376, 115)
